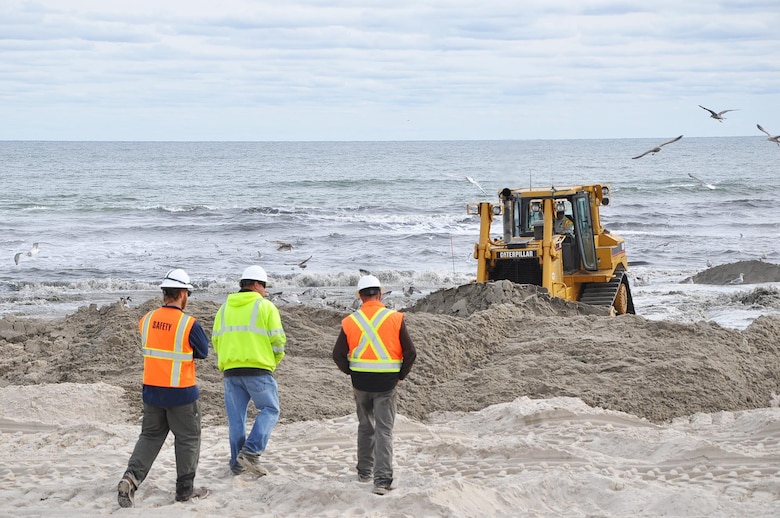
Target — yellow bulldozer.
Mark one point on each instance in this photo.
(553, 238)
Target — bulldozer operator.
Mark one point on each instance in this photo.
(563, 224)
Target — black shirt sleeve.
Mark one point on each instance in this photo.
(198, 341)
(408, 350)
(341, 353)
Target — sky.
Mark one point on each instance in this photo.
(322, 70)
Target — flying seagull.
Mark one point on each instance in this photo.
(302, 264)
(17, 256)
(471, 180)
(702, 182)
(656, 149)
(34, 250)
(283, 246)
(772, 138)
(717, 116)
(411, 291)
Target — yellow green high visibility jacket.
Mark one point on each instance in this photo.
(248, 333)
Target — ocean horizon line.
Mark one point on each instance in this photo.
(347, 141)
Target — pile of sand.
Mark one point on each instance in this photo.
(478, 345)
(468, 299)
(753, 272)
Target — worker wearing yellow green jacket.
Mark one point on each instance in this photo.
(249, 340)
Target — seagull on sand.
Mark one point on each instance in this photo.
(656, 149)
(738, 280)
(772, 138)
(717, 116)
(34, 250)
(702, 182)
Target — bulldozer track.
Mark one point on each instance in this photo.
(603, 293)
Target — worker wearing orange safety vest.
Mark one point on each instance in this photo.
(375, 349)
(168, 358)
(170, 340)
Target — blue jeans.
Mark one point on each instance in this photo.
(262, 391)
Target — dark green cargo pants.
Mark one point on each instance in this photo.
(184, 422)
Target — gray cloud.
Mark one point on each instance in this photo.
(460, 60)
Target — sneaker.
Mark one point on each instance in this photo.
(198, 492)
(251, 463)
(237, 470)
(126, 492)
(364, 478)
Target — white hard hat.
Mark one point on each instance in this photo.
(368, 281)
(177, 278)
(254, 273)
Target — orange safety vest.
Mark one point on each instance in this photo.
(373, 338)
(165, 339)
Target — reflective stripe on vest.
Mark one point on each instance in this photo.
(370, 338)
(251, 327)
(177, 356)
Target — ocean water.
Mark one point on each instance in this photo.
(111, 217)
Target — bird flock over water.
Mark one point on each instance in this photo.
(718, 116)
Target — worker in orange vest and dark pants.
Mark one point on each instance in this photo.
(375, 349)
(170, 340)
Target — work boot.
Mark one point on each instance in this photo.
(382, 490)
(126, 492)
(251, 463)
(382, 487)
(198, 492)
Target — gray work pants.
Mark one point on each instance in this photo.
(184, 422)
(376, 416)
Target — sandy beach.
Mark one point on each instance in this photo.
(518, 405)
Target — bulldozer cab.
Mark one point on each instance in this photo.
(571, 219)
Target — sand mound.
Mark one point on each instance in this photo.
(478, 345)
(754, 272)
(467, 299)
